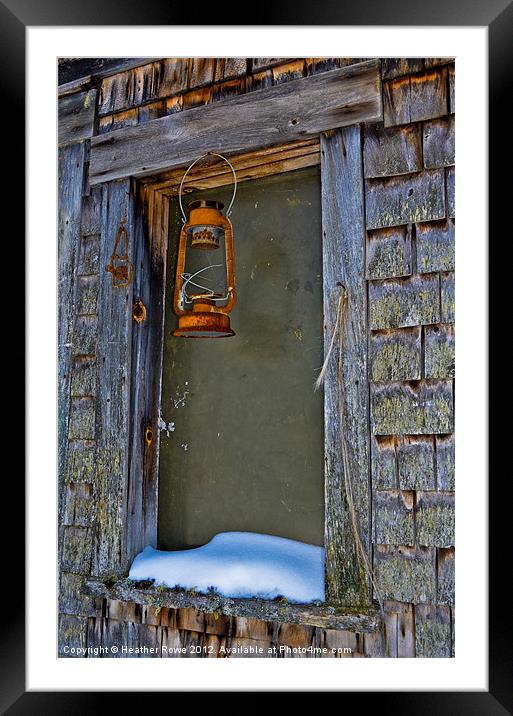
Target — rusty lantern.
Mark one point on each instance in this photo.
(205, 280)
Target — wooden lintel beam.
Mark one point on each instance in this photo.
(291, 111)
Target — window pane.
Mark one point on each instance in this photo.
(246, 452)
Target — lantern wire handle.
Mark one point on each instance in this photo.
(208, 154)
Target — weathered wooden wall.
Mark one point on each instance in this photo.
(408, 162)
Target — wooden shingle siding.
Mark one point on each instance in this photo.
(439, 352)
(396, 355)
(438, 143)
(445, 462)
(403, 409)
(393, 517)
(447, 289)
(434, 519)
(405, 199)
(388, 252)
(415, 463)
(397, 303)
(384, 463)
(445, 575)
(432, 631)
(406, 574)
(77, 117)
(435, 246)
(389, 152)
(416, 97)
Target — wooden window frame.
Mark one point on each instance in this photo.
(338, 150)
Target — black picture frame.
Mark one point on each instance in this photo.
(497, 15)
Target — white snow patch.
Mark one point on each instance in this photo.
(239, 564)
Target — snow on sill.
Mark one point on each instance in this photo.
(240, 565)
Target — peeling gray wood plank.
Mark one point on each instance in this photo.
(77, 116)
(439, 353)
(432, 632)
(400, 409)
(438, 142)
(445, 462)
(435, 246)
(293, 110)
(389, 252)
(399, 303)
(393, 521)
(415, 462)
(114, 336)
(396, 355)
(434, 519)
(406, 574)
(388, 152)
(344, 262)
(406, 199)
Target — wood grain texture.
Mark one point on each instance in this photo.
(445, 575)
(438, 142)
(384, 462)
(447, 297)
(451, 197)
(77, 116)
(439, 351)
(388, 252)
(415, 463)
(403, 200)
(256, 609)
(395, 355)
(402, 409)
(344, 263)
(434, 519)
(113, 350)
(399, 303)
(150, 246)
(276, 115)
(445, 462)
(432, 631)
(388, 152)
(435, 246)
(393, 521)
(399, 66)
(406, 574)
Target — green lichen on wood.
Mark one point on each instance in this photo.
(435, 246)
(434, 518)
(447, 294)
(72, 634)
(109, 491)
(395, 356)
(74, 597)
(415, 463)
(82, 419)
(388, 257)
(83, 377)
(439, 354)
(399, 409)
(407, 199)
(401, 303)
(78, 505)
(393, 518)
(451, 200)
(88, 288)
(445, 469)
(85, 335)
(384, 466)
(76, 550)
(445, 574)
(390, 152)
(404, 574)
(432, 632)
(81, 464)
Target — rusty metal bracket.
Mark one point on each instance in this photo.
(120, 266)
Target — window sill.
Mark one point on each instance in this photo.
(322, 616)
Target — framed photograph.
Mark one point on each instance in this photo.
(289, 491)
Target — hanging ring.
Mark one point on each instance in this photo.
(208, 154)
